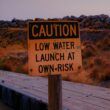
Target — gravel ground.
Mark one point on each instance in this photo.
(4, 107)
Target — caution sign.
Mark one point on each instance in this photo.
(53, 47)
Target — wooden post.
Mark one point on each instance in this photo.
(54, 92)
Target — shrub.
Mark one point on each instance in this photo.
(1, 64)
(4, 66)
(19, 69)
(87, 53)
(98, 61)
(100, 74)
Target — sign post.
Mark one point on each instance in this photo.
(55, 92)
(53, 47)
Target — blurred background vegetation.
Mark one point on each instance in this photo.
(95, 45)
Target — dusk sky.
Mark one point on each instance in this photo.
(25, 9)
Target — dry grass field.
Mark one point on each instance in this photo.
(95, 44)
